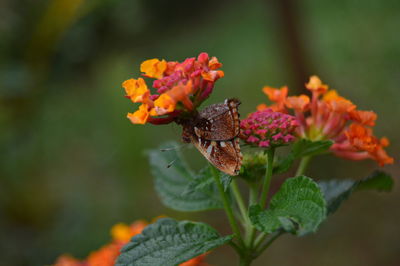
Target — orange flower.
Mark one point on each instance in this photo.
(180, 88)
(166, 103)
(316, 85)
(137, 227)
(382, 157)
(67, 260)
(278, 96)
(181, 93)
(212, 75)
(261, 107)
(338, 103)
(214, 64)
(105, 256)
(198, 261)
(299, 103)
(331, 95)
(153, 68)
(274, 107)
(341, 106)
(366, 118)
(140, 116)
(136, 89)
(121, 232)
(363, 139)
(163, 105)
(384, 142)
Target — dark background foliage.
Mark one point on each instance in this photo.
(71, 164)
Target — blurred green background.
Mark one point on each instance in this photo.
(72, 165)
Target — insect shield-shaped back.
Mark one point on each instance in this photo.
(214, 132)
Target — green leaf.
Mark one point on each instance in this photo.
(298, 207)
(305, 147)
(336, 191)
(301, 148)
(284, 164)
(201, 181)
(226, 181)
(169, 242)
(177, 186)
(378, 180)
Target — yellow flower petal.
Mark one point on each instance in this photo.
(153, 68)
(121, 232)
(315, 84)
(140, 116)
(331, 95)
(136, 89)
(163, 105)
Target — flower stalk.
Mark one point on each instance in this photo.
(303, 165)
(268, 243)
(240, 202)
(251, 231)
(227, 206)
(268, 176)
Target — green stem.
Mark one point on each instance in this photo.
(268, 177)
(240, 202)
(253, 194)
(245, 261)
(252, 230)
(303, 165)
(259, 240)
(268, 243)
(236, 247)
(227, 206)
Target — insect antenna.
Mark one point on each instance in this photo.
(173, 148)
(179, 147)
(171, 163)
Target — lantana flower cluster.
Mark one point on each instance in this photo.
(267, 128)
(179, 87)
(327, 115)
(107, 255)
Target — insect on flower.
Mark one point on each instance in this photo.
(180, 90)
(214, 132)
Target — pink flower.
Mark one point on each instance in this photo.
(267, 128)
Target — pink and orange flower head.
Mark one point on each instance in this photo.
(327, 115)
(267, 128)
(179, 87)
